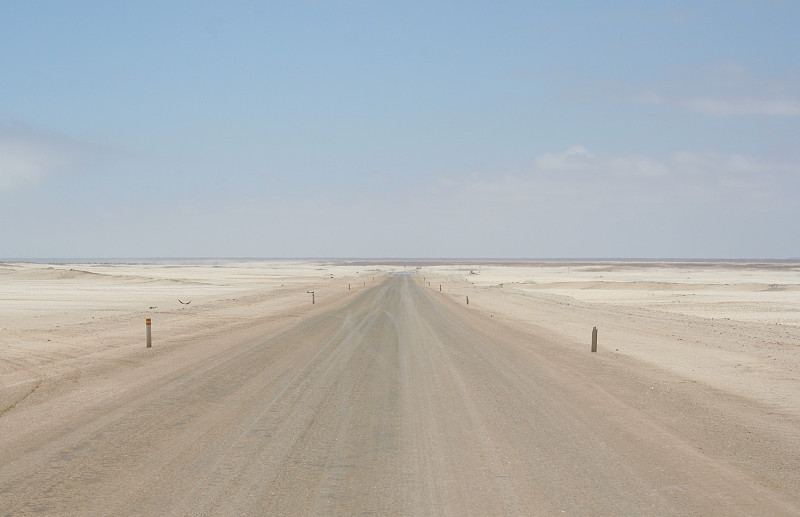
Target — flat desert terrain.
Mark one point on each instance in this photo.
(391, 395)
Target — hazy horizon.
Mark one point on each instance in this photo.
(375, 260)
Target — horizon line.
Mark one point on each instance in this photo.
(155, 260)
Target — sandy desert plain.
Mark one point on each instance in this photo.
(690, 406)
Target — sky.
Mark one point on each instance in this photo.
(517, 129)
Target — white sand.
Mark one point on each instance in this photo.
(734, 327)
(728, 326)
(57, 321)
(251, 397)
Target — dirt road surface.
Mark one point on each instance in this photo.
(396, 400)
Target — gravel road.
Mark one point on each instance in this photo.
(395, 401)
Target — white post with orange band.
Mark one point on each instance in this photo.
(149, 338)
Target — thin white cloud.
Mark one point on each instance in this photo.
(623, 179)
(578, 158)
(743, 107)
(641, 166)
(720, 164)
(572, 203)
(582, 203)
(728, 89)
(27, 155)
(727, 107)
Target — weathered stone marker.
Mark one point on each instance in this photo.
(594, 339)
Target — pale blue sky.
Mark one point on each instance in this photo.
(407, 129)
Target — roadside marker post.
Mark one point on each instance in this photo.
(149, 336)
(594, 339)
(312, 296)
(467, 300)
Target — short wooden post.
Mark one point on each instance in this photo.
(348, 287)
(467, 300)
(149, 336)
(312, 296)
(440, 288)
(594, 339)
